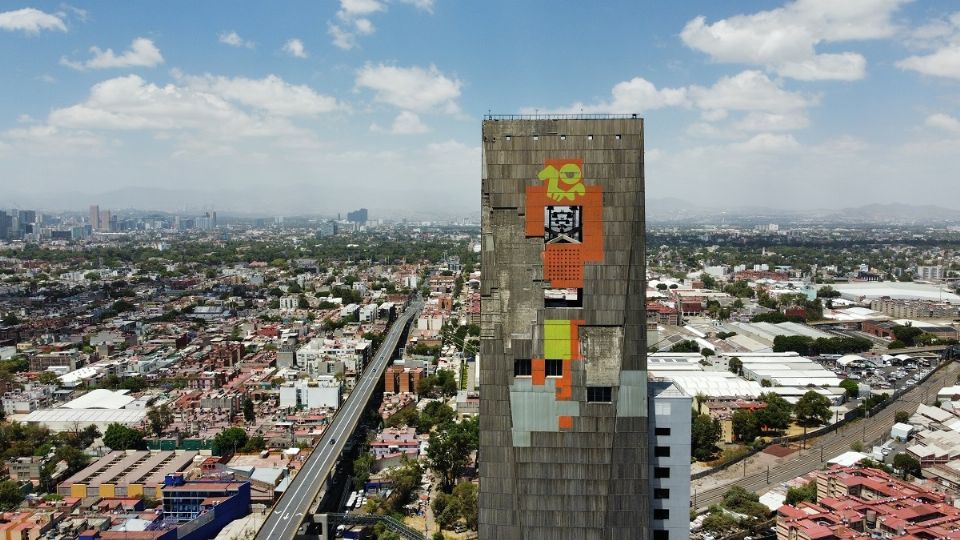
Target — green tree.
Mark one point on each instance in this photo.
(466, 492)
(704, 435)
(10, 319)
(121, 437)
(719, 523)
(248, 413)
(806, 492)
(745, 425)
(229, 441)
(746, 502)
(776, 415)
(686, 345)
(901, 417)
(361, 468)
(907, 465)
(74, 458)
(450, 448)
(446, 510)
(159, 418)
(735, 365)
(827, 292)
(852, 388)
(442, 383)
(254, 444)
(10, 495)
(813, 409)
(907, 334)
(435, 413)
(47, 377)
(407, 416)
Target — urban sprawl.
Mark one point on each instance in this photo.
(191, 376)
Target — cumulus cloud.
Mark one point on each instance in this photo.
(30, 21)
(414, 88)
(294, 47)
(943, 121)
(271, 94)
(747, 91)
(226, 108)
(142, 53)
(423, 5)
(636, 95)
(408, 123)
(944, 62)
(940, 41)
(785, 39)
(767, 142)
(352, 21)
(234, 40)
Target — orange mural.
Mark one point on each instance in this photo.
(573, 230)
(568, 215)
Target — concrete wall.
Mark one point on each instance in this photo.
(553, 464)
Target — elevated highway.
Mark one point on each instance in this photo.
(288, 513)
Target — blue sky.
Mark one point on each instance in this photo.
(319, 107)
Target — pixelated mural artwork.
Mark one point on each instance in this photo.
(573, 236)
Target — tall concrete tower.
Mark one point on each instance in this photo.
(563, 381)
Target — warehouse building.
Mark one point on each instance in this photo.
(127, 474)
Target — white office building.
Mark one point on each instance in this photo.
(669, 459)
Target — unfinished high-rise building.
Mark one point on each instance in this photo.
(563, 384)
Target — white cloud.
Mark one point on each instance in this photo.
(217, 107)
(943, 121)
(423, 5)
(47, 140)
(342, 39)
(785, 39)
(234, 40)
(944, 62)
(408, 123)
(354, 19)
(294, 47)
(414, 88)
(637, 95)
(30, 21)
(766, 143)
(364, 27)
(271, 94)
(838, 67)
(142, 53)
(747, 91)
(359, 8)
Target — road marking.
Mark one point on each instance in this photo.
(324, 458)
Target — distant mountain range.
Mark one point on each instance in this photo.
(673, 210)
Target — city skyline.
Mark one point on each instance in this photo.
(276, 110)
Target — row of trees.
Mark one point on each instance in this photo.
(435, 413)
(812, 409)
(809, 346)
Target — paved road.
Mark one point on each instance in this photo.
(289, 512)
(832, 445)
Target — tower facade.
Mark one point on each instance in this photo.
(563, 381)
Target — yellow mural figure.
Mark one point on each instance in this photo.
(565, 182)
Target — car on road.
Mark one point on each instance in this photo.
(333, 440)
